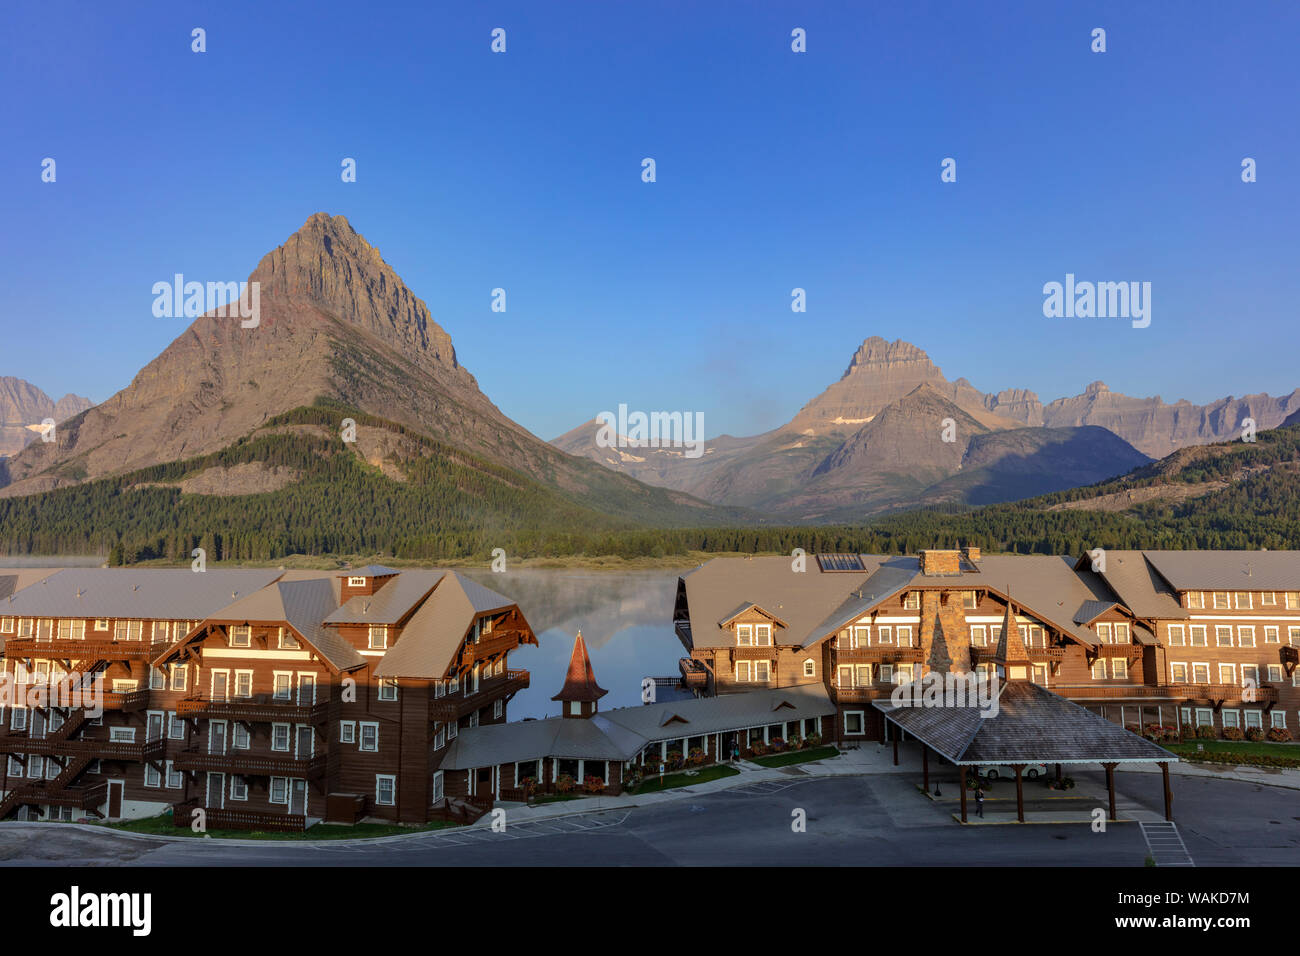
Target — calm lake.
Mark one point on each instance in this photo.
(625, 618)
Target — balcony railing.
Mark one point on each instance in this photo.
(454, 706)
(263, 708)
(1037, 655)
(1263, 694)
(97, 650)
(694, 674)
(754, 652)
(251, 765)
(151, 750)
(490, 647)
(885, 654)
(127, 702)
(857, 695)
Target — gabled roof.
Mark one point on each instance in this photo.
(1228, 570)
(1130, 577)
(1089, 611)
(391, 603)
(302, 605)
(1032, 725)
(434, 633)
(580, 681)
(1010, 649)
(747, 606)
(135, 593)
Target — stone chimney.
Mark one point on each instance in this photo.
(940, 562)
(972, 554)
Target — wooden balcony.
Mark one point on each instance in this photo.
(1037, 655)
(694, 674)
(251, 765)
(61, 694)
(751, 652)
(490, 646)
(1216, 693)
(89, 650)
(455, 706)
(81, 798)
(103, 748)
(263, 708)
(861, 695)
(214, 819)
(883, 654)
(127, 702)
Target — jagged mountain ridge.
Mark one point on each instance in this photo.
(23, 407)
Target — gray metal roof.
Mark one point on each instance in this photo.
(892, 576)
(13, 580)
(369, 571)
(1090, 610)
(1228, 570)
(135, 593)
(1130, 577)
(1032, 725)
(433, 634)
(391, 603)
(623, 733)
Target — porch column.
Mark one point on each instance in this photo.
(895, 750)
(961, 785)
(1169, 793)
(1110, 787)
(1160, 714)
(765, 740)
(1058, 773)
(1020, 792)
(663, 750)
(706, 744)
(925, 768)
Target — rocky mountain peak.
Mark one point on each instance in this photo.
(877, 355)
(330, 265)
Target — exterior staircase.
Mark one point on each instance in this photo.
(40, 791)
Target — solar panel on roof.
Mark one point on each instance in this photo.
(840, 562)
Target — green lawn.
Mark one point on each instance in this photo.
(162, 826)
(1218, 751)
(795, 756)
(673, 780)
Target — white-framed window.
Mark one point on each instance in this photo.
(240, 738)
(912, 601)
(902, 673)
(1274, 673)
(1221, 602)
(1223, 635)
(157, 679)
(1104, 635)
(1278, 719)
(886, 673)
(241, 635)
(861, 637)
(1270, 634)
(1254, 720)
(348, 732)
(1268, 599)
(763, 635)
(1249, 675)
(437, 786)
(1176, 635)
(855, 723)
(121, 735)
(978, 636)
(501, 666)
(243, 683)
(1204, 717)
(369, 736)
(1293, 636)
(1121, 632)
(1194, 600)
(453, 728)
(1178, 673)
(15, 766)
(282, 685)
(969, 600)
(25, 627)
(743, 671)
(1119, 668)
(496, 708)
(219, 684)
(152, 778)
(762, 670)
(1200, 673)
(387, 688)
(903, 634)
(180, 676)
(1293, 600)
(280, 737)
(238, 787)
(1230, 718)
(809, 668)
(884, 635)
(385, 789)
(286, 641)
(1038, 674)
(1246, 635)
(174, 778)
(1099, 669)
(8, 625)
(378, 637)
(1197, 632)
(744, 635)
(35, 767)
(279, 790)
(160, 632)
(1227, 674)
(439, 736)
(101, 624)
(356, 582)
(1244, 600)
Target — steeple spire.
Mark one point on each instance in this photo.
(1011, 657)
(580, 691)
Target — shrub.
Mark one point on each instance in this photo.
(1255, 734)
(1189, 730)
(593, 784)
(759, 748)
(696, 757)
(812, 740)
(795, 743)
(1205, 732)
(778, 744)
(675, 759)
(564, 783)
(1232, 733)
(746, 754)
(1279, 735)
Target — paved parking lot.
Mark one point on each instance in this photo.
(876, 820)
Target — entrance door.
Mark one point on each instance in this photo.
(306, 690)
(298, 797)
(154, 725)
(217, 737)
(220, 685)
(216, 798)
(304, 751)
(115, 790)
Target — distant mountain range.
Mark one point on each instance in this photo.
(872, 442)
(23, 407)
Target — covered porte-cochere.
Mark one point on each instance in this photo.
(1029, 725)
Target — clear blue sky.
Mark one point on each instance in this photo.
(775, 170)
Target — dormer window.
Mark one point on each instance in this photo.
(378, 637)
(763, 635)
(287, 641)
(356, 582)
(744, 635)
(969, 600)
(241, 635)
(912, 601)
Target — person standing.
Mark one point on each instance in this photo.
(979, 801)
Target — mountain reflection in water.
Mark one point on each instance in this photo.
(626, 619)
